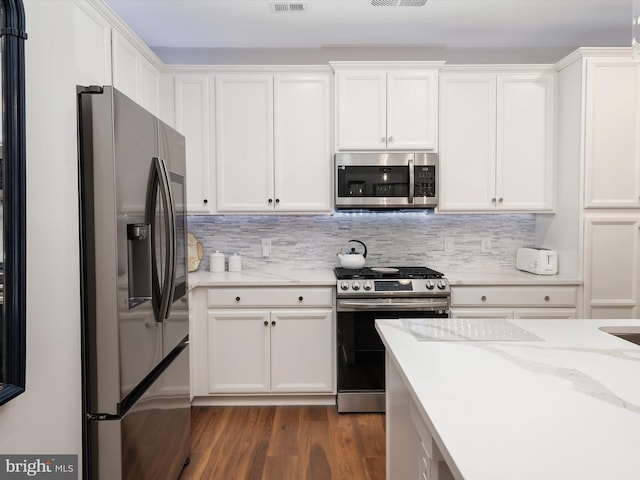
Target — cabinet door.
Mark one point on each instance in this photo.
(302, 351)
(125, 66)
(134, 75)
(412, 110)
(361, 110)
(525, 141)
(244, 143)
(148, 85)
(302, 143)
(612, 153)
(467, 142)
(193, 120)
(93, 47)
(238, 349)
(612, 246)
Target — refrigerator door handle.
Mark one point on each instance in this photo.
(159, 180)
(170, 282)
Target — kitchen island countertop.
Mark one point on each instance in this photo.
(563, 406)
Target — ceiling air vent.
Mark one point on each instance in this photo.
(398, 3)
(287, 7)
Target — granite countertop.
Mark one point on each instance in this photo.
(325, 276)
(267, 277)
(509, 277)
(562, 404)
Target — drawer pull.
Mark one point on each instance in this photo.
(546, 298)
(300, 298)
(273, 322)
(266, 324)
(483, 298)
(237, 299)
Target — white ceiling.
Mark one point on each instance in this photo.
(189, 24)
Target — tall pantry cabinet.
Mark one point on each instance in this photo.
(599, 155)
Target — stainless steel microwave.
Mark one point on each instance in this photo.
(386, 180)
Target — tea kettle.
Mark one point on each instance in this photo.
(352, 259)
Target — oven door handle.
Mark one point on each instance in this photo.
(436, 304)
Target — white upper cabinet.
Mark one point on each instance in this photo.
(244, 143)
(612, 153)
(273, 143)
(93, 46)
(496, 141)
(386, 109)
(302, 143)
(134, 75)
(193, 112)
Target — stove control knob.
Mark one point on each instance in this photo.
(442, 284)
(429, 285)
(355, 285)
(367, 285)
(344, 285)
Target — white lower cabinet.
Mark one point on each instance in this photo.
(552, 302)
(612, 266)
(261, 351)
(267, 340)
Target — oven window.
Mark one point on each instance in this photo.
(360, 350)
(373, 181)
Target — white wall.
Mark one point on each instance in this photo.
(46, 419)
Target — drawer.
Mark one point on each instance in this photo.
(270, 297)
(520, 296)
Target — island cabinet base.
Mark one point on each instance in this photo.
(411, 450)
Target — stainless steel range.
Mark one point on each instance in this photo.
(367, 294)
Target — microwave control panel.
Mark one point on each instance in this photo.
(425, 181)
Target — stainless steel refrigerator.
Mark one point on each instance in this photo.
(135, 311)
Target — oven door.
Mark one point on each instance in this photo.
(361, 371)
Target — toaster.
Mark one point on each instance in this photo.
(540, 261)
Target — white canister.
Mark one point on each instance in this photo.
(235, 263)
(216, 262)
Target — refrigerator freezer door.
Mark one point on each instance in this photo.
(152, 441)
(122, 342)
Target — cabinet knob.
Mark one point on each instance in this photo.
(546, 298)
(266, 324)
(237, 299)
(383, 140)
(270, 200)
(500, 200)
(300, 298)
(273, 322)
(390, 139)
(493, 200)
(277, 200)
(483, 298)
(205, 201)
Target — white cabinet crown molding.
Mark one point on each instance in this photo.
(390, 65)
(246, 69)
(125, 31)
(499, 68)
(585, 52)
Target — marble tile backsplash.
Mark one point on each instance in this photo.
(307, 242)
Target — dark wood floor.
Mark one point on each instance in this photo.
(285, 443)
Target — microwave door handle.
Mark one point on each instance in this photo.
(411, 181)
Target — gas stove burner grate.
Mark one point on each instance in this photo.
(399, 272)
